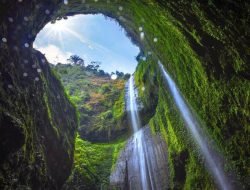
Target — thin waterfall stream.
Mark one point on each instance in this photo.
(142, 164)
(193, 125)
(138, 136)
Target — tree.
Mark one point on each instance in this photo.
(94, 65)
(126, 76)
(101, 73)
(119, 74)
(76, 60)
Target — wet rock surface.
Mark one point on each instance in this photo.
(127, 173)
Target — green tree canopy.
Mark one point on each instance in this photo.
(76, 60)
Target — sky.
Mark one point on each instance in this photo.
(93, 38)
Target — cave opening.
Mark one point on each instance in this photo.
(94, 38)
(93, 58)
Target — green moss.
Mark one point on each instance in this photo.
(207, 25)
(94, 163)
(217, 103)
(119, 106)
(51, 117)
(168, 122)
(194, 179)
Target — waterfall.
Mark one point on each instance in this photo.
(194, 127)
(139, 157)
(142, 164)
(132, 107)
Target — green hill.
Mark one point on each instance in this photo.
(99, 99)
(102, 118)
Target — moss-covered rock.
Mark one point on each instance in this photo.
(38, 123)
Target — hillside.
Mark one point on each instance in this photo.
(101, 109)
(99, 100)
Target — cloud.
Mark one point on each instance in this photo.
(53, 54)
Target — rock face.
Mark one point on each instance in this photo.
(127, 172)
(204, 47)
(37, 123)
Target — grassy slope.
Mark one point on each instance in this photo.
(100, 102)
(93, 164)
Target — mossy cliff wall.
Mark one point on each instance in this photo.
(38, 123)
(208, 59)
(204, 47)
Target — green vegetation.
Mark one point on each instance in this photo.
(98, 98)
(202, 44)
(93, 164)
(202, 47)
(35, 135)
(185, 164)
(76, 60)
(101, 107)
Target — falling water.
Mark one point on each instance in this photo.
(195, 129)
(132, 107)
(142, 164)
(138, 137)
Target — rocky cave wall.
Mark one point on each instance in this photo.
(202, 44)
(37, 121)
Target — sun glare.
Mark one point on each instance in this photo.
(56, 29)
(59, 26)
(63, 29)
(114, 77)
(92, 37)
